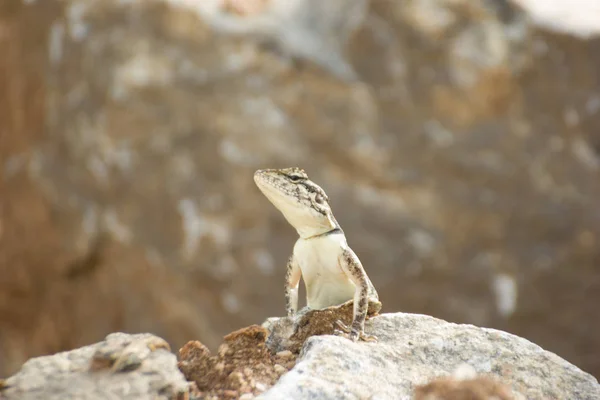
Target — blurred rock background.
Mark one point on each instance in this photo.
(458, 140)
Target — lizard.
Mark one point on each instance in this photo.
(332, 272)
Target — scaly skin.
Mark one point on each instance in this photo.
(332, 272)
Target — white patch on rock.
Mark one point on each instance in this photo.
(266, 109)
(464, 372)
(230, 302)
(226, 268)
(89, 223)
(196, 226)
(592, 106)
(78, 28)
(115, 227)
(106, 155)
(98, 168)
(230, 151)
(571, 117)
(239, 60)
(434, 17)
(120, 156)
(264, 261)
(55, 43)
(312, 29)
(505, 290)
(193, 227)
(439, 135)
(141, 70)
(477, 48)
(214, 12)
(585, 154)
(367, 194)
(423, 242)
(373, 196)
(576, 17)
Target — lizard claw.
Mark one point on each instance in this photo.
(352, 334)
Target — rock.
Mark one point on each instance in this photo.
(415, 355)
(289, 334)
(243, 366)
(310, 30)
(121, 367)
(578, 17)
(415, 349)
(455, 389)
(462, 162)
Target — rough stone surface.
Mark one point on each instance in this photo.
(461, 160)
(415, 349)
(290, 333)
(477, 388)
(252, 359)
(416, 356)
(121, 367)
(243, 365)
(576, 17)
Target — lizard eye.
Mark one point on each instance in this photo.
(295, 178)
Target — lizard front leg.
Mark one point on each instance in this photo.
(354, 270)
(292, 279)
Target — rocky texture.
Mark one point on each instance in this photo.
(312, 30)
(476, 388)
(415, 349)
(243, 365)
(121, 367)
(461, 160)
(576, 17)
(251, 360)
(416, 356)
(290, 333)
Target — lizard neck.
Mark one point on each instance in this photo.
(333, 229)
(312, 229)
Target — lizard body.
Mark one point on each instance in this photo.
(331, 271)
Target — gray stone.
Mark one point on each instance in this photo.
(414, 349)
(121, 367)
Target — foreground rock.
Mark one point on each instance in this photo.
(416, 357)
(121, 367)
(415, 349)
(243, 366)
(252, 359)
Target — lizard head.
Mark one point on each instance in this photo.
(301, 201)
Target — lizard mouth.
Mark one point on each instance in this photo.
(260, 178)
(274, 187)
(293, 199)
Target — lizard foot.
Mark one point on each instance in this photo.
(352, 334)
